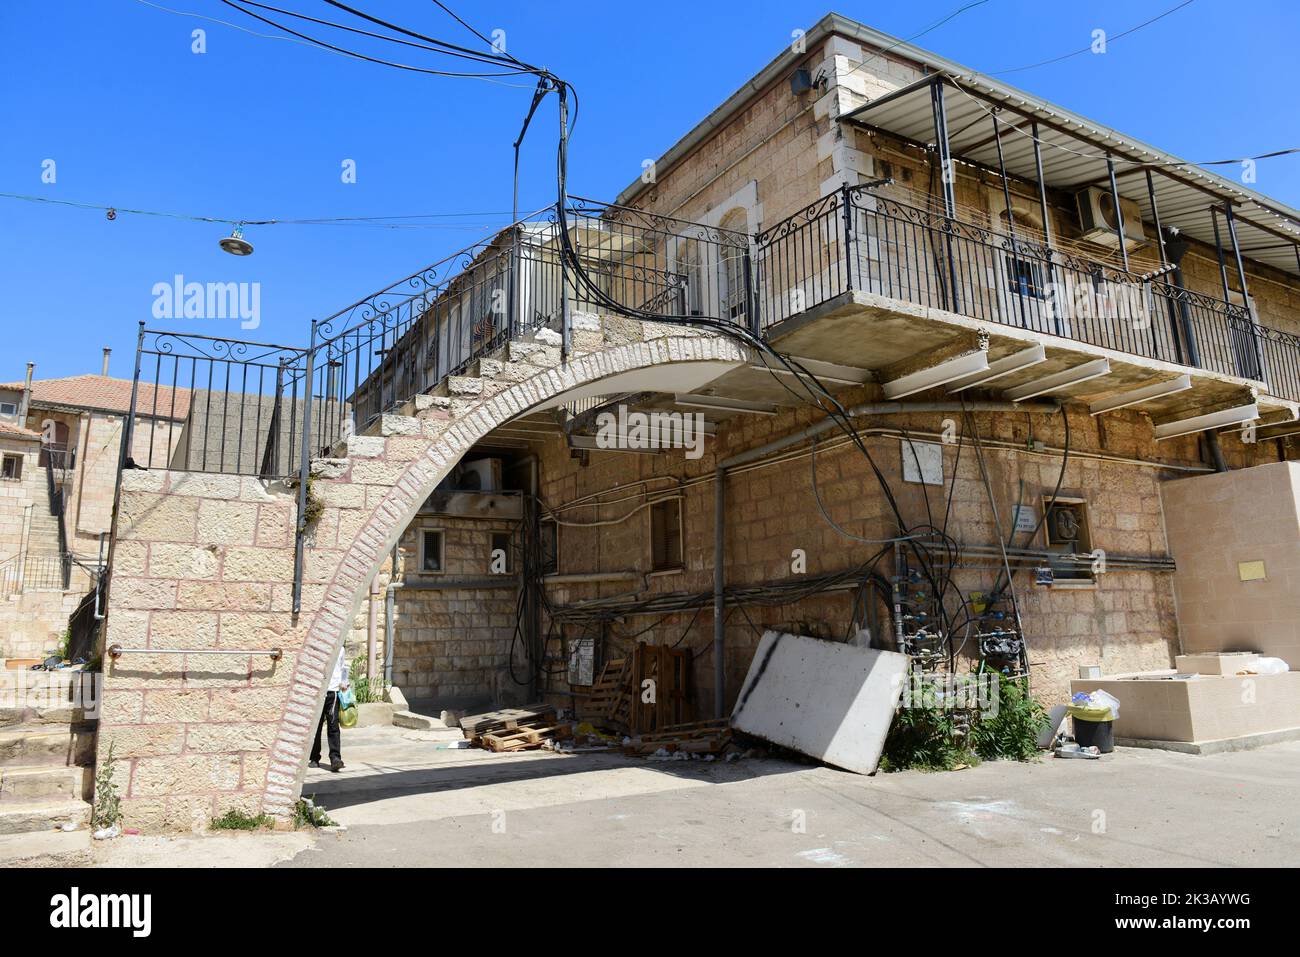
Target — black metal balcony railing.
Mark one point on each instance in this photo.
(857, 240)
(258, 409)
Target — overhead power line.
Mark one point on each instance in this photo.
(916, 36)
(1088, 49)
(384, 222)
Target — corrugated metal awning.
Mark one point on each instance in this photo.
(1074, 155)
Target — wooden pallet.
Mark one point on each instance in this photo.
(610, 701)
(507, 719)
(525, 738)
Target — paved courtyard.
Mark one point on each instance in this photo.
(406, 801)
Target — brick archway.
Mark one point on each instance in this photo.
(205, 735)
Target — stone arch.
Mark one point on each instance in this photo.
(432, 442)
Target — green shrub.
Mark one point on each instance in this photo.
(925, 739)
(1011, 733)
(306, 813)
(108, 803)
(367, 689)
(237, 820)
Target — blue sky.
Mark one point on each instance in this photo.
(258, 128)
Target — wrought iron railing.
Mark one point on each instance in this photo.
(215, 404)
(857, 240)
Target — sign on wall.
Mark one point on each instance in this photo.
(922, 462)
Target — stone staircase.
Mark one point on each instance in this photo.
(47, 753)
(43, 539)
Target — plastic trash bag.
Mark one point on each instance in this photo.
(1269, 666)
(1094, 706)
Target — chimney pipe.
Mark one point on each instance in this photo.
(27, 394)
(107, 353)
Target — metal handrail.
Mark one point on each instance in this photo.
(116, 651)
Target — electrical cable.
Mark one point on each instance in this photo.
(1088, 49)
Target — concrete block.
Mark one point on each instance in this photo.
(831, 701)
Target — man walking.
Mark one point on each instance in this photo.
(329, 716)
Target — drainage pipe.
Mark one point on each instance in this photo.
(372, 627)
(389, 603)
(719, 575)
(883, 408)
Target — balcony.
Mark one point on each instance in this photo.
(859, 287)
(895, 287)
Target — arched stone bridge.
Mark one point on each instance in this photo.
(205, 562)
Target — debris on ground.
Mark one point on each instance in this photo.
(705, 738)
(515, 729)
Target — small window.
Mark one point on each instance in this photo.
(499, 562)
(666, 535)
(1068, 535)
(8, 408)
(12, 468)
(1025, 277)
(431, 550)
(550, 547)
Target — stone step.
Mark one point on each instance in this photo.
(459, 386)
(39, 746)
(28, 785)
(21, 818)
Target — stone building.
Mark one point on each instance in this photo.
(61, 441)
(927, 363)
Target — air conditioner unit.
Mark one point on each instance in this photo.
(1097, 217)
(480, 475)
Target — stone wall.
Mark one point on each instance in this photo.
(1216, 524)
(784, 151)
(206, 562)
(1125, 622)
(453, 633)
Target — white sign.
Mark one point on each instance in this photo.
(922, 462)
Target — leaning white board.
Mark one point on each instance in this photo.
(828, 700)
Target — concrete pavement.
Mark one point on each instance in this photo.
(407, 800)
(1132, 808)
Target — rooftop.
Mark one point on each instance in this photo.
(106, 394)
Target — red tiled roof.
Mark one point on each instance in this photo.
(9, 428)
(107, 394)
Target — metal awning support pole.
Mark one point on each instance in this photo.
(719, 575)
(1042, 185)
(1011, 219)
(1054, 301)
(1257, 372)
(1236, 252)
(947, 176)
(1155, 218)
(1218, 249)
(304, 474)
(1119, 214)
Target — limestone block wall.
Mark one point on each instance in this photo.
(1126, 622)
(18, 495)
(452, 643)
(205, 562)
(1216, 523)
